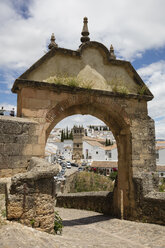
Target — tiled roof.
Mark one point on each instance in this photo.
(160, 147)
(160, 168)
(109, 148)
(94, 143)
(85, 138)
(104, 164)
(160, 142)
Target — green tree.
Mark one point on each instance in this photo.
(67, 133)
(62, 135)
(71, 135)
(106, 142)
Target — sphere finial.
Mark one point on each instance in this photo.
(52, 42)
(85, 31)
(112, 54)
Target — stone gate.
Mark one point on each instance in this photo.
(92, 81)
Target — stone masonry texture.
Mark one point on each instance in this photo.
(30, 198)
(18, 137)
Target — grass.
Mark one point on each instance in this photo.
(58, 226)
(90, 181)
(70, 81)
(117, 86)
(142, 90)
(162, 185)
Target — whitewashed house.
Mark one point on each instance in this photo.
(95, 151)
(105, 167)
(65, 149)
(161, 170)
(160, 152)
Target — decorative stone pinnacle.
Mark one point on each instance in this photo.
(112, 54)
(85, 31)
(52, 42)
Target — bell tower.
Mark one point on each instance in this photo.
(78, 134)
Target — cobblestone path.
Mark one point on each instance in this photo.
(84, 229)
(91, 229)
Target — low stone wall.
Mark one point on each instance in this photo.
(101, 202)
(4, 184)
(30, 198)
(18, 143)
(150, 204)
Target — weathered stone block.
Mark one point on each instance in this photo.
(30, 197)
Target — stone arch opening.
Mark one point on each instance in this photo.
(116, 119)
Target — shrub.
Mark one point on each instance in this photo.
(162, 185)
(142, 90)
(91, 181)
(58, 223)
(32, 222)
(113, 175)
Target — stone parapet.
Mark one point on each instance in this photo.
(18, 141)
(96, 201)
(30, 198)
(150, 204)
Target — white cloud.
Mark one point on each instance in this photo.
(8, 107)
(131, 26)
(160, 128)
(154, 76)
(83, 120)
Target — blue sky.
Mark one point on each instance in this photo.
(135, 28)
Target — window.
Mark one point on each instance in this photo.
(77, 145)
(96, 152)
(157, 154)
(162, 174)
(109, 154)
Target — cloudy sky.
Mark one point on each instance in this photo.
(136, 28)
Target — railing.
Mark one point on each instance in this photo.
(7, 112)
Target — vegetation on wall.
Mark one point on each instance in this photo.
(117, 84)
(142, 90)
(90, 181)
(70, 81)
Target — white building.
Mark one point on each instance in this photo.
(105, 167)
(99, 132)
(65, 149)
(161, 170)
(93, 150)
(160, 152)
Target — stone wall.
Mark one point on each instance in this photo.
(18, 143)
(30, 198)
(95, 201)
(66, 185)
(150, 204)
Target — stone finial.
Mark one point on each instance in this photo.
(85, 31)
(52, 42)
(112, 54)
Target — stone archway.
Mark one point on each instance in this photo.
(96, 84)
(125, 115)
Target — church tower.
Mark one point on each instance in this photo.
(78, 134)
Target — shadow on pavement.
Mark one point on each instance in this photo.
(86, 220)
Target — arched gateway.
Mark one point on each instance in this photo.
(92, 81)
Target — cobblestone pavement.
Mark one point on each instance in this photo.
(90, 229)
(83, 229)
